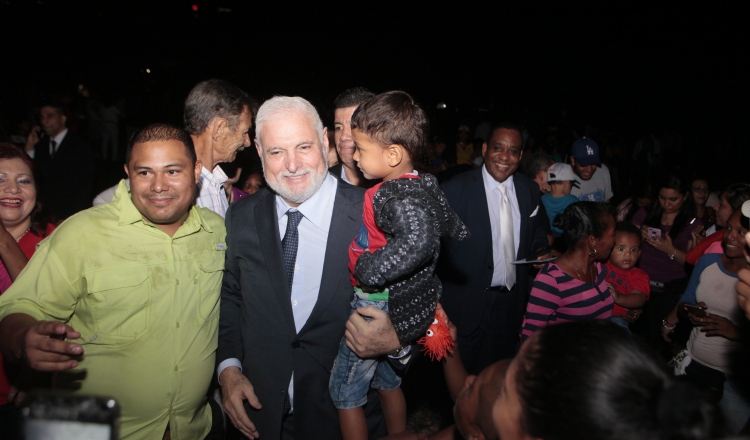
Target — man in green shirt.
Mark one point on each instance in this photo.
(128, 294)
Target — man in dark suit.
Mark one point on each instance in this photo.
(344, 106)
(65, 165)
(483, 294)
(286, 293)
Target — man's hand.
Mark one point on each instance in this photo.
(43, 346)
(373, 338)
(235, 388)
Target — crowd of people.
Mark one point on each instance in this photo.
(290, 299)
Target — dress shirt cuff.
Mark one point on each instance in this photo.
(226, 363)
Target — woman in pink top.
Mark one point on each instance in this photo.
(21, 228)
(574, 287)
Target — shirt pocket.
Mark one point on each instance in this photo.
(208, 279)
(121, 302)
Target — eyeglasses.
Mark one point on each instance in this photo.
(700, 189)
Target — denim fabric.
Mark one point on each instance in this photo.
(621, 322)
(351, 376)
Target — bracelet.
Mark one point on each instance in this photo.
(674, 254)
(667, 325)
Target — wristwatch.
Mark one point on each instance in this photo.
(401, 352)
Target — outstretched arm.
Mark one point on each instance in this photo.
(39, 344)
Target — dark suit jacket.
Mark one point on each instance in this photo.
(336, 171)
(465, 267)
(66, 181)
(257, 323)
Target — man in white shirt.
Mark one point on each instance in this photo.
(594, 182)
(218, 116)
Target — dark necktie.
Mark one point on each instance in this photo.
(53, 148)
(289, 244)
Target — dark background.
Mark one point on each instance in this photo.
(624, 68)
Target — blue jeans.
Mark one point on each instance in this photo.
(351, 376)
(619, 320)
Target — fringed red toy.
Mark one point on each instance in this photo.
(437, 342)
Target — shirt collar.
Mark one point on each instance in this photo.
(129, 214)
(313, 208)
(217, 176)
(60, 136)
(490, 184)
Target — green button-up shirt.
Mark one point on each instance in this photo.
(146, 305)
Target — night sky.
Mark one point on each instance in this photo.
(642, 66)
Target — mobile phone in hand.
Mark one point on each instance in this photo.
(654, 233)
(695, 310)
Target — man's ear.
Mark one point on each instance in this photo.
(198, 169)
(572, 161)
(484, 148)
(395, 154)
(257, 148)
(219, 128)
(126, 170)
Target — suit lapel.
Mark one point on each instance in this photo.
(525, 209)
(345, 222)
(270, 243)
(479, 206)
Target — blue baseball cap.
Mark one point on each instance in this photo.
(586, 152)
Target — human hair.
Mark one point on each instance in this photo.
(59, 107)
(352, 97)
(39, 217)
(394, 118)
(593, 380)
(211, 99)
(582, 219)
(279, 105)
(538, 162)
(628, 228)
(640, 191)
(162, 132)
(687, 210)
(506, 125)
(736, 194)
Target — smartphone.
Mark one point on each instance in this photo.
(654, 233)
(695, 310)
(50, 415)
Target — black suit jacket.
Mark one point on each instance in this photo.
(66, 181)
(466, 267)
(336, 171)
(257, 322)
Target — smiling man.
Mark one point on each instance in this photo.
(484, 294)
(122, 300)
(286, 294)
(218, 116)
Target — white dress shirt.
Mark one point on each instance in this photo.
(494, 200)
